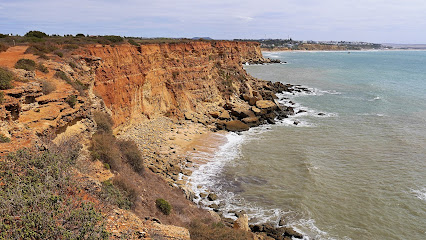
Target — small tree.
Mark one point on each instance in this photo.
(36, 34)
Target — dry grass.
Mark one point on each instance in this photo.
(216, 231)
(47, 87)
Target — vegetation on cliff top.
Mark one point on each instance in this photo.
(42, 43)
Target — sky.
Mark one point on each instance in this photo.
(378, 21)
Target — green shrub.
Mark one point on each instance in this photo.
(107, 166)
(42, 68)
(113, 39)
(163, 206)
(104, 121)
(3, 35)
(71, 100)
(80, 35)
(63, 76)
(6, 78)
(26, 64)
(132, 155)
(133, 42)
(47, 87)
(4, 139)
(60, 54)
(36, 34)
(115, 196)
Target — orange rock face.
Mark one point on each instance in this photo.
(169, 79)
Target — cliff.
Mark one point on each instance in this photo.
(171, 79)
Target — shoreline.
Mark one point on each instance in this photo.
(170, 149)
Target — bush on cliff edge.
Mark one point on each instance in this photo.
(163, 206)
(6, 78)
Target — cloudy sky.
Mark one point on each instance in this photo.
(395, 21)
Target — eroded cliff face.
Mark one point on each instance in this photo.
(172, 79)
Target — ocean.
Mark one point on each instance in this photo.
(354, 167)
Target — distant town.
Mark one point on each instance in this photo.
(290, 44)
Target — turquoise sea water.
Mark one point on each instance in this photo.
(356, 171)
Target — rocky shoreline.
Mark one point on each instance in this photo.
(166, 143)
(265, 112)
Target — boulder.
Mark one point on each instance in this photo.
(212, 197)
(236, 126)
(252, 100)
(241, 112)
(215, 216)
(256, 111)
(266, 104)
(215, 114)
(224, 116)
(251, 121)
(242, 223)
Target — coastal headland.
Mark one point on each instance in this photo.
(161, 97)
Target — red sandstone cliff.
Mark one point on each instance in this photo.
(170, 79)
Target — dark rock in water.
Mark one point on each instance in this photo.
(276, 232)
(274, 60)
(291, 233)
(212, 197)
(281, 222)
(215, 207)
(296, 122)
(203, 195)
(236, 126)
(301, 111)
(321, 114)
